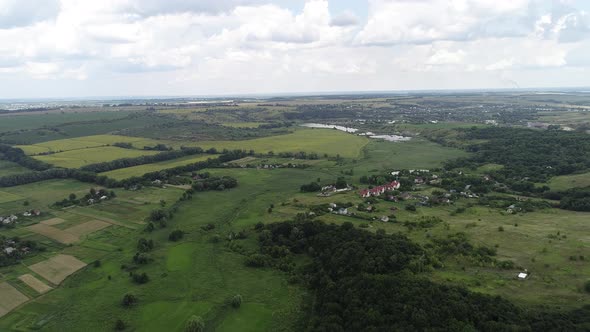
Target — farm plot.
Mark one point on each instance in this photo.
(56, 269)
(52, 221)
(87, 228)
(85, 142)
(35, 283)
(124, 173)
(10, 298)
(83, 157)
(53, 233)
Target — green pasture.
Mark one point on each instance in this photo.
(564, 182)
(331, 142)
(85, 142)
(83, 157)
(128, 172)
(21, 121)
(10, 168)
(382, 156)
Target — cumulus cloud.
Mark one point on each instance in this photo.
(286, 45)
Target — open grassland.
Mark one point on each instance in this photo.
(10, 168)
(565, 182)
(83, 157)
(6, 197)
(42, 194)
(84, 143)
(128, 172)
(413, 154)
(11, 122)
(320, 141)
(243, 124)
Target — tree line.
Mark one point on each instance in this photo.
(18, 156)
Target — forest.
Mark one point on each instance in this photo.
(374, 282)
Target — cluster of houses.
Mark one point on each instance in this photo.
(12, 248)
(13, 219)
(378, 190)
(331, 189)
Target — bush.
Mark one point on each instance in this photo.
(411, 207)
(195, 324)
(587, 286)
(120, 325)
(257, 260)
(140, 278)
(176, 235)
(129, 300)
(236, 301)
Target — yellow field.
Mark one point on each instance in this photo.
(125, 173)
(10, 298)
(85, 142)
(57, 268)
(320, 141)
(83, 157)
(35, 283)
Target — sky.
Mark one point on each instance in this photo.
(78, 48)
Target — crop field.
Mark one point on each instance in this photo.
(319, 141)
(35, 283)
(83, 157)
(10, 298)
(57, 268)
(54, 233)
(85, 142)
(10, 168)
(87, 227)
(124, 173)
(564, 182)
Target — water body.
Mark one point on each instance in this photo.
(325, 126)
(389, 138)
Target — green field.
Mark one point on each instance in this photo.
(565, 182)
(83, 157)
(124, 173)
(10, 168)
(63, 145)
(31, 121)
(319, 141)
(6, 197)
(413, 154)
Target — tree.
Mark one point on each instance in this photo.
(195, 324)
(587, 286)
(341, 183)
(72, 196)
(176, 235)
(129, 300)
(236, 301)
(120, 325)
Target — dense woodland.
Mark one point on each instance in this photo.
(372, 282)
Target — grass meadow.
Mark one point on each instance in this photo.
(124, 173)
(320, 141)
(86, 142)
(83, 157)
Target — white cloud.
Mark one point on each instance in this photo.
(226, 46)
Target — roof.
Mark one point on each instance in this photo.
(522, 275)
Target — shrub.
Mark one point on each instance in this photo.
(195, 324)
(120, 325)
(129, 300)
(176, 235)
(236, 301)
